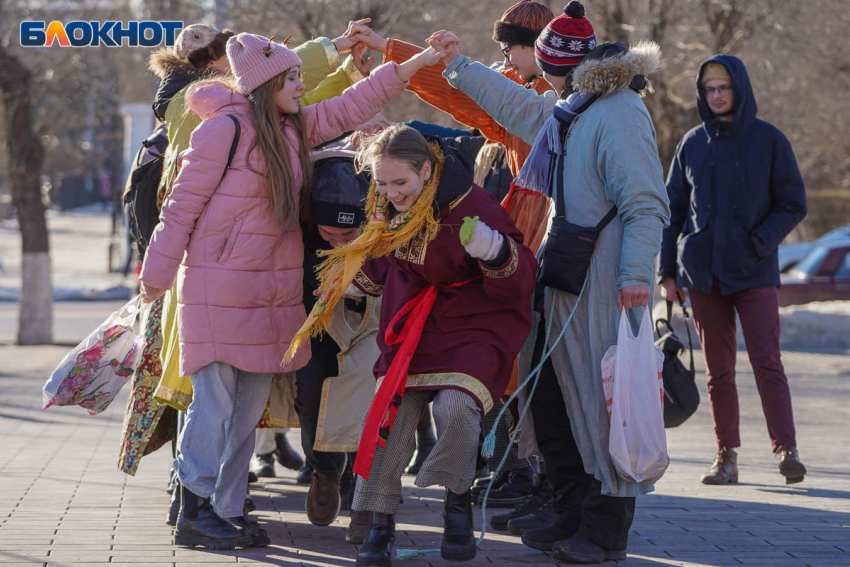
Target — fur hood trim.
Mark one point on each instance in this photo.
(165, 61)
(607, 76)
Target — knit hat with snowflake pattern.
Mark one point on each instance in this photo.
(565, 41)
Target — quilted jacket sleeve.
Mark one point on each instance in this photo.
(357, 104)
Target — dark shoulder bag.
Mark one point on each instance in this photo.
(569, 247)
(681, 396)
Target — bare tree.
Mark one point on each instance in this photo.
(732, 21)
(26, 156)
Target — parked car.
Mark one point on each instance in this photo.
(790, 254)
(823, 275)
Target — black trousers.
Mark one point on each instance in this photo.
(604, 520)
(308, 398)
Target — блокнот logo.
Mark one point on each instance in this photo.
(79, 33)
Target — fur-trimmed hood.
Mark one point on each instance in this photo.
(165, 61)
(612, 74)
(174, 74)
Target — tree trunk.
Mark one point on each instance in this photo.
(26, 156)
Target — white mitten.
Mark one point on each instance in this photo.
(485, 243)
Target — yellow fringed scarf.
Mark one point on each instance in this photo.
(379, 238)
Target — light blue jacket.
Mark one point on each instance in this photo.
(611, 159)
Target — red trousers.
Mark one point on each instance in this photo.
(714, 318)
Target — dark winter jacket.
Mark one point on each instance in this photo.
(735, 193)
(174, 74)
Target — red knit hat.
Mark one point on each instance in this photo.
(522, 23)
(565, 41)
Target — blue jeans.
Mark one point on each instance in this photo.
(217, 441)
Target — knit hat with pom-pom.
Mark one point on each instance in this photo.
(565, 41)
(522, 23)
(255, 59)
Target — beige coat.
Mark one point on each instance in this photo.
(346, 397)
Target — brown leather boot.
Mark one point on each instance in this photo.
(724, 470)
(323, 501)
(358, 527)
(790, 465)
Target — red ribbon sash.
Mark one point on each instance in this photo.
(382, 412)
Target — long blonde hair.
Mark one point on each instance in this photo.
(288, 203)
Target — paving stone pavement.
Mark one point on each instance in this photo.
(63, 502)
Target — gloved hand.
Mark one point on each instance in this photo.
(485, 243)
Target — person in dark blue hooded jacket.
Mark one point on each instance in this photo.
(735, 193)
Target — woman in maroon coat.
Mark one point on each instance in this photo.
(456, 310)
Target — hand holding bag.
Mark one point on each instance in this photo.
(637, 442)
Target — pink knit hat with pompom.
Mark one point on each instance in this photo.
(255, 59)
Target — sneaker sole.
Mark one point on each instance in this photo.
(192, 540)
(539, 546)
(501, 503)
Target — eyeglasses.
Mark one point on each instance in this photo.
(506, 51)
(722, 89)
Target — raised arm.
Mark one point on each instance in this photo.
(333, 117)
(334, 84)
(430, 85)
(520, 111)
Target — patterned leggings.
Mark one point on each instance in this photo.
(451, 463)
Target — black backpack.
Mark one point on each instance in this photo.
(142, 185)
(681, 396)
(140, 202)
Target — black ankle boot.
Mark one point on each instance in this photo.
(377, 550)
(199, 525)
(174, 509)
(458, 537)
(261, 537)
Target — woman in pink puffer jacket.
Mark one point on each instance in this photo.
(232, 238)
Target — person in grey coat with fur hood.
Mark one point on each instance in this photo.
(606, 165)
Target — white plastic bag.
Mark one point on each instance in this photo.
(93, 373)
(608, 362)
(637, 443)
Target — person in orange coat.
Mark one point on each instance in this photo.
(515, 32)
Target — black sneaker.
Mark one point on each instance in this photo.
(541, 495)
(286, 455)
(512, 492)
(480, 486)
(264, 465)
(305, 475)
(541, 518)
